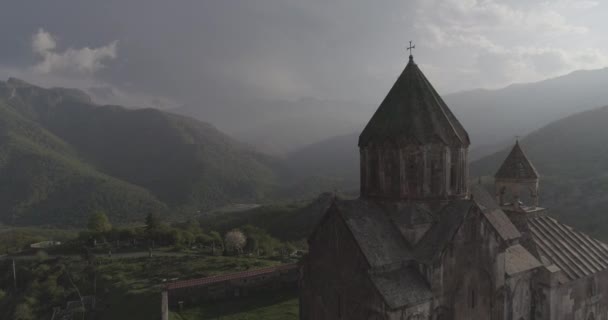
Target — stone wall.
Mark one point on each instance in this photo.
(582, 299)
(335, 284)
(469, 280)
(413, 172)
(519, 297)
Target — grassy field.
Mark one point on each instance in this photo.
(275, 306)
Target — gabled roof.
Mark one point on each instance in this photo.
(575, 253)
(518, 259)
(413, 113)
(517, 166)
(452, 216)
(402, 287)
(434, 241)
(493, 213)
(406, 214)
(377, 236)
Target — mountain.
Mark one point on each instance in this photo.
(494, 117)
(280, 126)
(336, 158)
(290, 222)
(491, 117)
(62, 157)
(571, 156)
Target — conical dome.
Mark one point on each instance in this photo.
(413, 148)
(413, 113)
(517, 166)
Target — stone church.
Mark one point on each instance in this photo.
(422, 242)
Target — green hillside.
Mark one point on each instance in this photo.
(571, 156)
(288, 222)
(62, 157)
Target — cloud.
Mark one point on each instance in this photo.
(576, 4)
(43, 42)
(506, 42)
(79, 61)
(77, 68)
(222, 51)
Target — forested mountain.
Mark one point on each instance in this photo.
(62, 157)
(492, 117)
(571, 156)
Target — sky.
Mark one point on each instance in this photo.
(167, 53)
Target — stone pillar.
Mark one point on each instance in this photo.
(164, 305)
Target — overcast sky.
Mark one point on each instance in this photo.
(203, 50)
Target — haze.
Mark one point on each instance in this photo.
(195, 51)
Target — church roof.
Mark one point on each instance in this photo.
(451, 218)
(413, 112)
(402, 287)
(377, 236)
(517, 166)
(434, 241)
(575, 253)
(518, 259)
(493, 213)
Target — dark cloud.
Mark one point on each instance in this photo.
(208, 50)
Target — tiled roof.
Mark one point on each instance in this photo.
(378, 237)
(517, 166)
(413, 113)
(574, 252)
(229, 276)
(402, 287)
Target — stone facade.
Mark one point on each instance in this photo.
(412, 172)
(420, 243)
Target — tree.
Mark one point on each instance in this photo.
(23, 311)
(252, 245)
(235, 240)
(193, 226)
(216, 239)
(153, 221)
(99, 222)
(260, 241)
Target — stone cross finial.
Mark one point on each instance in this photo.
(410, 48)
